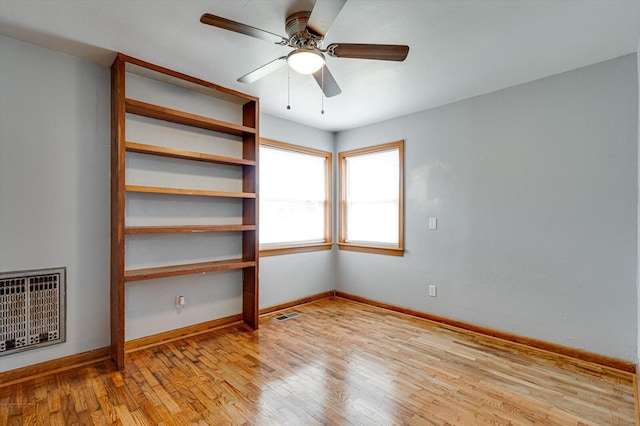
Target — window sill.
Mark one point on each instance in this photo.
(390, 251)
(278, 250)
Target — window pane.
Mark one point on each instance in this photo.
(292, 196)
(373, 197)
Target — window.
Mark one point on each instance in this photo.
(295, 198)
(371, 199)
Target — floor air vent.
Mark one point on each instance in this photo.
(32, 308)
(287, 316)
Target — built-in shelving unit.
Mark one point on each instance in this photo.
(245, 130)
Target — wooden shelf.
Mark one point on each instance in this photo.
(187, 229)
(187, 269)
(180, 117)
(186, 155)
(182, 191)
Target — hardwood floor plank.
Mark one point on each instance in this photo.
(124, 415)
(337, 363)
(56, 419)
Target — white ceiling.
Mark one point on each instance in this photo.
(458, 49)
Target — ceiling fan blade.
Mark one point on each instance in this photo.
(329, 86)
(323, 14)
(384, 52)
(227, 24)
(268, 68)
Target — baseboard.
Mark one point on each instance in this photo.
(610, 362)
(304, 300)
(181, 333)
(53, 366)
(636, 391)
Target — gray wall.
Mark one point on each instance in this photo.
(535, 191)
(638, 230)
(293, 276)
(54, 184)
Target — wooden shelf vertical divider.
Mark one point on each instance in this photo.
(247, 131)
(118, 112)
(250, 249)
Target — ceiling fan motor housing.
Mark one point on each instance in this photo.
(297, 22)
(299, 34)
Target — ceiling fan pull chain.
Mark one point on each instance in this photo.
(288, 88)
(322, 91)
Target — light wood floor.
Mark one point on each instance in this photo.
(339, 362)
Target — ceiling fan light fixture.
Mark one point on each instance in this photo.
(305, 61)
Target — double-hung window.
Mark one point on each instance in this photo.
(295, 198)
(371, 200)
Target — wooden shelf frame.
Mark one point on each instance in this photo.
(180, 117)
(186, 269)
(184, 191)
(173, 229)
(248, 133)
(186, 155)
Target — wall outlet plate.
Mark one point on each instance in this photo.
(180, 302)
(432, 291)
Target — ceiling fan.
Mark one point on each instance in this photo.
(306, 31)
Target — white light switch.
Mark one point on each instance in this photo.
(433, 223)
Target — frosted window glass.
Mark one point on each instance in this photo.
(372, 184)
(292, 197)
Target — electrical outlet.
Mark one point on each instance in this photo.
(432, 291)
(180, 302)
